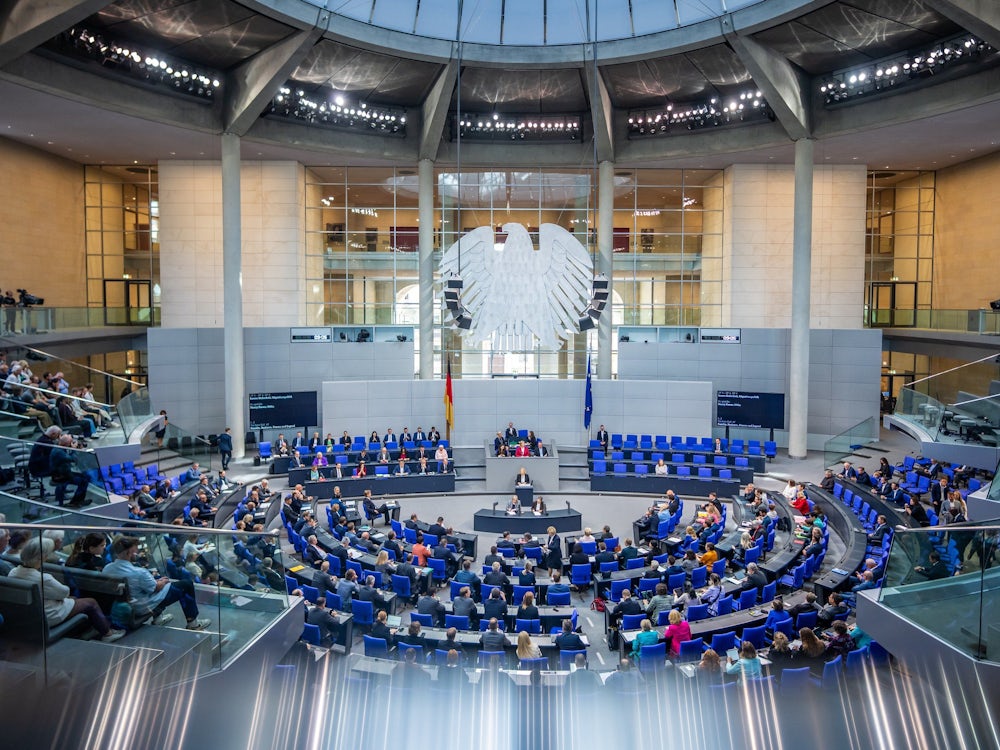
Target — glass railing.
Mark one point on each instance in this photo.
(221, 579)
(36, 320)
(983, 321)
(134, 409)
(947, 581)
(56, 475)
(180, 442)
(944, 406)
(839, 447)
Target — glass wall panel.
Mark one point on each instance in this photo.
(362, 249)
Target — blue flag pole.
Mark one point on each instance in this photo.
(588, 400)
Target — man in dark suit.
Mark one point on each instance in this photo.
(405, 436)
(492, 639)
(465, 575)
(755, 578)
(419, 436)
(323, 581)
(604, 554)
(320, 616)
(939, 492)
(603, 437)
(314, 553)
(406, 568)
(464, 606)
(441, 552)
(411, 523)
(505, 541)
(437, 528)
(568, 640)
(368, 593)
(522, 478)
(627, 606)
(510, 433)
(392, 544)
(496, 577)
(428, 604)
(894, 494)
(495, 606)
(493, 557)
(540, 450)
(498, 443)
(881, 529)
(389, 437)
(935, 569)
(433, 435)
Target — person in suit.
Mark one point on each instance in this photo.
(316, 441)
(451, 676)
(493, 557)
(935, 568)
(373, 510)
(553, 550)
(412, 636)
(557, 586)
(345, 439)
(540, 450)
(298, 441)
(603, 437)
(433, 435)
(538, 506)
(438, 528)
(314, 553)
(893, 494)
(627, 606)
(521, 478)
(280, 446)
(496, 606)
(498, 443)
(369, 593)
(939, 493)
(522, 450)
(389, 436)
(465, 575)
(401, 468)
(464, 606)
(496, 576)
(915, 509)
(380, 629)
(429, 604)
(492, 638)
(347, 588)
(604, 554)
(405, 436)
(755, 578)
(510, 433)
(419, 436)
(578, 556)
(567, 640)
(514, 506)
(527, 575)
(320, 616)
(323, 581)
(505, 541)
(441, 552)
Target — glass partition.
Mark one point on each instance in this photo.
(221, 580)
(955, 404)
(134, 409)
(58, 476)
(947, 581)
(841, 446)
(180, 442)
(36, 320)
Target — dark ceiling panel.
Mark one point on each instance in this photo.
(367, 75)
(522, 91)
(647, 82)
(215, 33)
(850, 33)
(720, 65)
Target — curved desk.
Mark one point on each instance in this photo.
(497, 521)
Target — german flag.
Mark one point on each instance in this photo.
(449, 404)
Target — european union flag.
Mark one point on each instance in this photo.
(588, 399)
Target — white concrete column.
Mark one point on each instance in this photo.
(425, 272)
(605, 258)
(798, 376)
(232, 289)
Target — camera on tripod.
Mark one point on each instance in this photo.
(27, 300)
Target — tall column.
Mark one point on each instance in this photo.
(798, 376)
(232, 293)
(425, 272)
(605, 259)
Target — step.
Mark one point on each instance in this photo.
(175, 646)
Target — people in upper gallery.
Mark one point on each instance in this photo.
(789, 490)
(511, 432)
(540, 450)
(828, 480)
(433, 435)
(405, 436)
(532, 440)
(374, 437)
(498, 443)
(345, 439)
(389, 436)
(58, 605)
(522, 449)
(419, 436)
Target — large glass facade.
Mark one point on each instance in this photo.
(123, 248)
(899, 248)
(363, 238)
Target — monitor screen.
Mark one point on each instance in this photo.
(282, 411)
(750, 409)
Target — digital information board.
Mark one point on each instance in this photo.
(750, 409)
(283, 411)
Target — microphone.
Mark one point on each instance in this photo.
(495, 503)
(568, 506)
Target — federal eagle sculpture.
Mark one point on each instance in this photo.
(514, 287)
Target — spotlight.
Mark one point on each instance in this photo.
(586, 323)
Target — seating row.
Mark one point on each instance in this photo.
(673, 458)
(264, 449)
(640, 469)
(737, 446)
(125, 478)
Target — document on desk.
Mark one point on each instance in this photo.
(240, 601)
